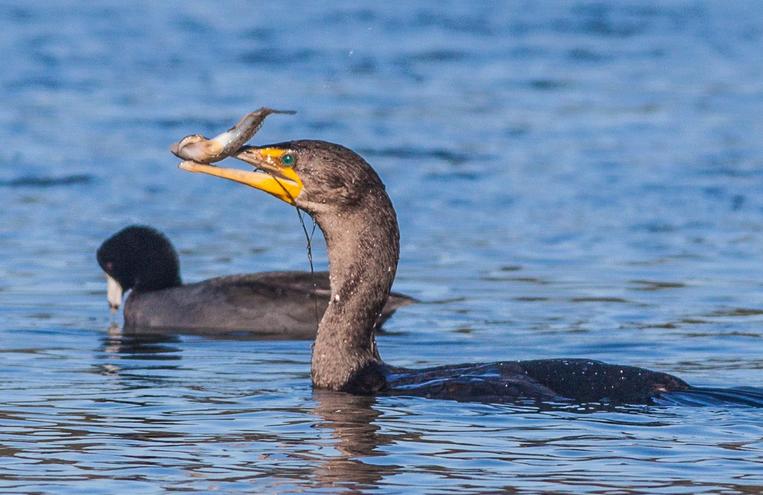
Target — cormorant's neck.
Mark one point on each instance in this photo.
(363, 244)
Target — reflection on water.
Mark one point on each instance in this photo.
(191, 414)
(350, 422)
(572, 179)
(129, 344)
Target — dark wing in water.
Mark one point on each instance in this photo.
(581, 380)
(706, 396)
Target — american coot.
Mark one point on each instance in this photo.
(270, 304)
(348, 201)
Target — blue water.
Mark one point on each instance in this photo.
(572, 179)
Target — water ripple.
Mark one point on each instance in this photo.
(572, 179)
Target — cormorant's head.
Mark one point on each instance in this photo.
(137, 257)
(314, 175)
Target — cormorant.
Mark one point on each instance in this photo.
(348, 201)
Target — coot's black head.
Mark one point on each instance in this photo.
(138, 257)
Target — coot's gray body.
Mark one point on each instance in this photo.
(274, 305)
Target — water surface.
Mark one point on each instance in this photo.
(572, 179)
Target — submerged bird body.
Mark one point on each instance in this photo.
(269, 304)
(581, 380)
(348, 201)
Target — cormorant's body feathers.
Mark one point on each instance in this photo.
(582, 380)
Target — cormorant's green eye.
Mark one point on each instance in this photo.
(288, 159)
